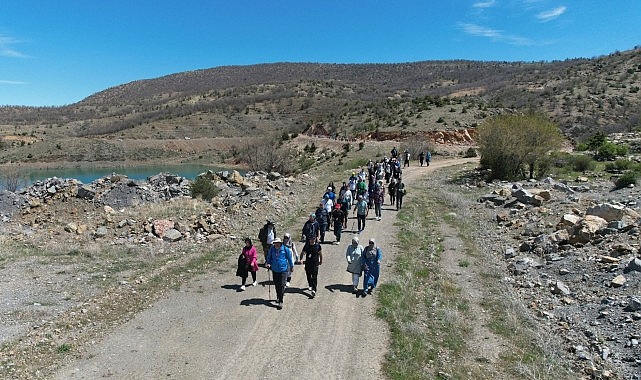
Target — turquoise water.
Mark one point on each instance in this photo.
(88, 175)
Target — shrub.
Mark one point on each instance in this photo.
(582, 163)
(618, 165)
(470, 152)
(512, 144)
(628, 178)
(204, 188)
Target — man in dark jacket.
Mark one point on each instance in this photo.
(322, 217)
(312, 258)
(311, 228)
(266, 236)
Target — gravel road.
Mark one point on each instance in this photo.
(210, 330)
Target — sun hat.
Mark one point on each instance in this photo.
(372, 241)
(277, 240)
(355, 239)
(312, 215)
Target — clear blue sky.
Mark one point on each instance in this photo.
(56, 52)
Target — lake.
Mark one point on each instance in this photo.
(88, 175)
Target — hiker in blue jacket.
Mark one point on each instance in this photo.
(279, 261)
(371, 258)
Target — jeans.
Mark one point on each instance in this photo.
(377, 209)
(361, 221)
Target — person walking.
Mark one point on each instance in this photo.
(400, 193)
(361, 211)
(372, 257)
(312, 259)
(266, 236)
(406, 158)
(289, 243)
(421, 157)
(428, 158)
(322, 217)
(279, 261)
(247, 263)
(310, 228)
(379, 199)
(338, 218)
(392, 191)
(354, 264)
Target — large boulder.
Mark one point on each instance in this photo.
(586, 229)
(612, 212)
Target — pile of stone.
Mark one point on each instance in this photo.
(242, 200)
(576, 262)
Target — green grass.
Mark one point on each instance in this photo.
(430, 320)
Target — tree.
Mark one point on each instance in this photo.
(511, 144)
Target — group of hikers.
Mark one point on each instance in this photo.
(360, 193)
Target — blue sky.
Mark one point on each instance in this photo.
(59, 52)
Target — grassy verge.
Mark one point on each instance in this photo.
(431, 323)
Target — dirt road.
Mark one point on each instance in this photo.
(210, 330)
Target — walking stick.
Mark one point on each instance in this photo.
(269, 284)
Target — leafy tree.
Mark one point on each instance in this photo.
(511, 144)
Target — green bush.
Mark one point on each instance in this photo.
(582, 163)
(628, 178)
(618, 165)
(470, 152)
(204, 188)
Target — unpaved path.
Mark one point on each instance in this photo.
(209, 330)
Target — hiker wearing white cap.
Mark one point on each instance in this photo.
(354, 264)
(279, 261)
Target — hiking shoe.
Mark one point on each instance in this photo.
(313, 293)
(279, 306)
(242, 287)
(254, 283)
(355, 290)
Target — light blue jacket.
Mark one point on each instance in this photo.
(280, 259)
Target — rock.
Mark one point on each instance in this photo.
(633, 265)
(495, 199)
(618, 281)
(559, 237)
(273, 176)
(526, 197)
(86, 193)
(71, 227)
(586, 229)
(621, 249)
(634, 304)
(509, 253)
(109, 210)
(611, 212)
(161, 226)
(568, 221)
(172, 235)
(236, 178)
(100, 232)
(544, 194)
(608, 259)
(560, 288)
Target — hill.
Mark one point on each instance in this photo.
(244, 104)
